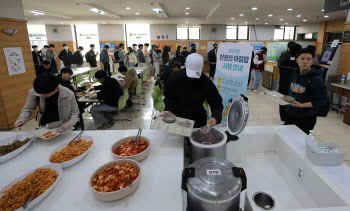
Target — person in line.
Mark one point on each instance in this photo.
(141, 57)
(131, 58)
(168, 70)
(105, 60)
(184, 53)
(44, 52)
(121, 54)
(259, 66)
(193, 48)
(146, 54)
(37, 57)
(109, 94)
(156, 60)
(56, 103)
(165, 55)
(151, 56)
(287, 68)
(285, 54)
(309, 90)
(134, 48)
(187, 89)
(313, 48)
(250, 70)
(51, 56)
(212, 61)
(78, 58)
(90, 56)
(131, 79)
(64, 79)
(46, 68)
(178, 55)
(66, 57)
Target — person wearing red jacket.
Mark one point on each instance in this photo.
(259, 63)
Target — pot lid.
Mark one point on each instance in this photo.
(238, 115)
(214, 179)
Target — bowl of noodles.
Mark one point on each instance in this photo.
(40, 182)
(68, 154)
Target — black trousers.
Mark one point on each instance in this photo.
(305, 124)
(107, 68)
(54, 64)
(212, 70)
(250, 73)
(121, 64)
(93, 64)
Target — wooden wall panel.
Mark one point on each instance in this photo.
(16, 85)
(335, 26)
(3, 117)
(21, 38)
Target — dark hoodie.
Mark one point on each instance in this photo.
(308, 87)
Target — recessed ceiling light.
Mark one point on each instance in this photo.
(157, 10)
(127, 8)
(186, 22)
(241, 15)
(257, 19)
(270, 15)
(97, 11)
(103, 22)
(290, 9)
(254, 8)
(326, 16)
(187, 13)
(61, 23)
(266, 23)
(298, 16)
(286, 23)
(281, 19)
(37, 12)
(232, 18)
(245, 22)
(322, 10)
(137, 13)
(304, 20)
(187, 8)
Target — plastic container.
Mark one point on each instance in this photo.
(320, 158)
(342, 79)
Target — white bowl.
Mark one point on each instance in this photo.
(74, 160)
(9, 140)
(137, 157)
(116, 195)
(55, 167)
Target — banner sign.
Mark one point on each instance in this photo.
(257, 46)
(232, 72)
(336, 5)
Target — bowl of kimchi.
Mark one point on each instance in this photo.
(123, 149)
(115, 180)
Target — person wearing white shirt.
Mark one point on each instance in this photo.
(259, 65)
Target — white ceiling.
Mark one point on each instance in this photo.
(201, 11)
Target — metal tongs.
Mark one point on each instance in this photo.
(25, 205)
(76, 137)
(137, 140)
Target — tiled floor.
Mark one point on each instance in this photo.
(261, 112)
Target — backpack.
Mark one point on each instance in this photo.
(323, 110)
(87, 57)
(116, 56)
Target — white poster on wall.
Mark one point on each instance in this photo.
(210, 45)
(14, 60)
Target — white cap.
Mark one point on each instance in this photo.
(194, 65)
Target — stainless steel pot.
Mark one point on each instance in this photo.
(236, 121)
(213, 184)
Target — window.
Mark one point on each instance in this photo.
(284, 33)
(187, 32)
(87, 34)
(236, 32)
(37, 35)
(231, 32)
(137, 34)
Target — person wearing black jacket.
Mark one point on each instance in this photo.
(45, 68)
(90, 56)
(37, 57)
(168, 70)
(212, 61)
(187, 89)
(78, 58)
(165, 55)
(184, 53)
(110, 92)
(66, 56)
(287, 68)
(309, 91)
(193, 49)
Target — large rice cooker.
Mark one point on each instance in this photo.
(236, 121)
(213, 184)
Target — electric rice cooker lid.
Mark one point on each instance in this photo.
(214, 179)
(238, 115)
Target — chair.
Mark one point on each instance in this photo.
(78, 79)
(138, 96)
(91, 77)
(113, 73)
(158, 104)
(162, 87)
(157, 89)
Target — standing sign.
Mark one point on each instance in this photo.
(232, 72)
(346, 38)
(336, 5)
(14, 60)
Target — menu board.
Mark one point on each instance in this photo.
(14, 60)
(232, 72)
(346, 38)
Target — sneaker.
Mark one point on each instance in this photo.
(105, 126)
(255, 91)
